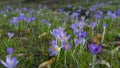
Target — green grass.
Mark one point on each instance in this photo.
(30, 41)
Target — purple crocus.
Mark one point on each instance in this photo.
(56, 31)
(93, 25)
(75, 15)
(81, 24)
(54, 49)
(76, 41)
(10, 62)
(98, 16)
(74, 26)
(94, 49)
(43, 21)
(63, 38)
(15, 21)
(104, 25)
(112, 15)
(118, 12)
(10, 35)
(82, 36)
(69, 6)
(66, 46)
(9, 50)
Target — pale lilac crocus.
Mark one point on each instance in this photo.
(66, 46)
(10, 62)
(54, 49)
(104, 26)
(9, 50)
(10, 35)
(93, 25)
(43, 21)
(63, 38)
(94, 48)
(76, 41)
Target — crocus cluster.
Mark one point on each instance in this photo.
(44, 21)
(94, 48)
(78, 29)
(15, 20)
(111, 15)
(60, 37)
(11, 62)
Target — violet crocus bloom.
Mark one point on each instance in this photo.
(81, 24)
(76, 41)
(66, 46)
(74, 26)
(15, 21)
(44, 21)
(54, 49)
(9, 50)
(75, 15)
(112, 15)
(63, 38)
(100, 12)
(98, 16)
(93, 8)
(118, 12)
(93, 25)
(57, 31)
(10, 62)
(69, 6)
(94, 49)
(104, 25)
(10, 35)
(82, 35)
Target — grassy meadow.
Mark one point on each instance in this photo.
(60, 34)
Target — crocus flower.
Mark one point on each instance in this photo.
(118, 12)
(98, 16)
(10, 35)
(94, 49)
(63, 38)
(10, 62)
(93, 25)
(9, 50)
(81, 24)
(57, 31)
(82, 34)
(43, 21)
(100, 12)
(76, 41)
(93, 8)
(104, 25)
(75, 15)
(15, 21)
(66, 46)
(54, 49)
(69, 6)
(112, 15)
(74, 26)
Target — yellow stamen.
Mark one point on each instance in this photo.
(55, 49)
(63, 37)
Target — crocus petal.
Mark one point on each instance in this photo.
(15, 62)
(4, 63)
(98, 49)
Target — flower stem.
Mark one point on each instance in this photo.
(94, 58)
(58, 55)
(74, 50)
(103, 36)
(65, 59)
